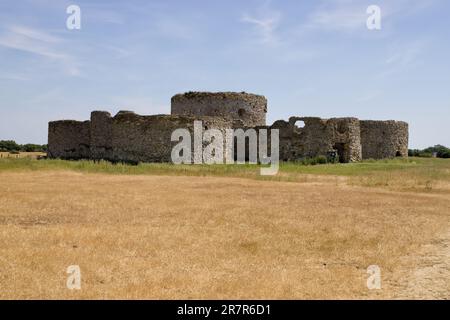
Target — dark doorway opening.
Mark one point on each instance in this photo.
(340, 148)
(398, 154)
(246, 150)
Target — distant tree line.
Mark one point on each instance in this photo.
(438, 150)
(12, 146)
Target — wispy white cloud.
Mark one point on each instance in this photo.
(118, 52)
(280, 43)
(40, 43)
(29, 40)
(403, 56)
(264, 26)
(406, 54)
(265, 22)
(349, 16)
(34, 34)
(338, 18)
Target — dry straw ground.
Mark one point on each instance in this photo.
(18, 155)
(160, 234)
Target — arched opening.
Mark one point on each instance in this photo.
(398, 154)
(241, 112)
(340, 149)
(299, 124)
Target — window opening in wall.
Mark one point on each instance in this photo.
(299, 124)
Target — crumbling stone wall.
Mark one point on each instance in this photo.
(248, 110)
(142, 138)
(345, 136)
(384, 139)
(138, 138)
(69, 139)
(101, 135)
(319, 137)
(130, 137)
(126, 137)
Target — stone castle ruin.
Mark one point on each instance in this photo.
(128, 137)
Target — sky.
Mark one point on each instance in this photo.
(309, 58)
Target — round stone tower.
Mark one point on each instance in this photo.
(249, 109)
(384, 139)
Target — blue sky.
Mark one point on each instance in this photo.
(309, 58)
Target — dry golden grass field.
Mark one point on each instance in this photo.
(32, 155)
(166, 232)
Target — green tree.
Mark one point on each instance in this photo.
(9, 145)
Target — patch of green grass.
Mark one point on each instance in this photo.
(122, 168)
(420, 173)
(365, 167)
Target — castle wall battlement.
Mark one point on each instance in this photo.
(248, 110)
(130, 137)
(126, 137)
(69, 139)
(319, 137)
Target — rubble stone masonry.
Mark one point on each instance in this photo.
(128, 137)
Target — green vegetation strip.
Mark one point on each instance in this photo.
(348, 169)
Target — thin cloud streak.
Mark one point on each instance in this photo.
(351, 16)
(40, 43)
(265, 26)
(403, 57)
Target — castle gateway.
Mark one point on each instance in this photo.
(129, 137)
